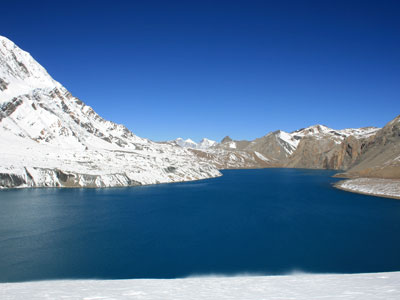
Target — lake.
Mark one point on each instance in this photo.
(266, 221)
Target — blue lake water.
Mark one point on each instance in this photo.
(269, 221)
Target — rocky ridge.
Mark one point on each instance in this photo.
(315, 147)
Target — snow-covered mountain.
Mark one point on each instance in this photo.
(50, 138)
(321, 131)
(206, 143)
(188, 143)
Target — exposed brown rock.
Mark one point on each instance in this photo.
(380, 155)
(226, 140)
(272, 147)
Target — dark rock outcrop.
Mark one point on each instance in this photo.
(11, 180)
(3, 85)
(226, 139)
(8, 108)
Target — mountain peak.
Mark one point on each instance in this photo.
(4, 40)
(206, 143)
(311, 130)
(226, 139)
(190, 141)
(20, 73)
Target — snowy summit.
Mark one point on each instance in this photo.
(188, 143)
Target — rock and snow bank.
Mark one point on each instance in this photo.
(373, 286)
(372, 186)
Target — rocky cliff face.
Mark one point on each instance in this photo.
(50, 138)
(330, 149)
(380, 154)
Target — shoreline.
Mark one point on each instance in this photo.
(343, 185)
(104, 187)
(20, 187)
(358, 186)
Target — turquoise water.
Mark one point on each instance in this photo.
(270, 221)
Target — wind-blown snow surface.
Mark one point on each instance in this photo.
(50, 138)
(373, 286)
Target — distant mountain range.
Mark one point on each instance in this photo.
(50, 138)
(188, 143)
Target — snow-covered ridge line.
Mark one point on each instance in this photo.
(50, 138)
(371, 286)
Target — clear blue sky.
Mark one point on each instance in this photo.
(214, 68)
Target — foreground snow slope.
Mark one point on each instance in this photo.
(374, 286)
(50, 138)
